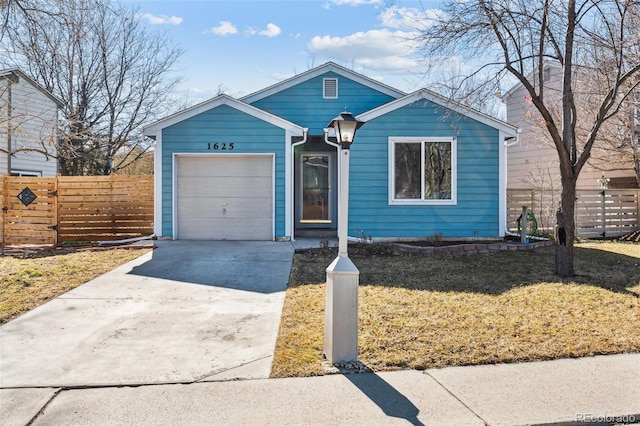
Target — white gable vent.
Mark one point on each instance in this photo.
(330, 88)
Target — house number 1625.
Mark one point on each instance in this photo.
(220, 146)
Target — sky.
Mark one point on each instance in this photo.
(241, 46)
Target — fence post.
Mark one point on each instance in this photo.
(638, 208)
(525, 225)
(56, 201)
(4, 209)
(112, 196)
(604, 213)
(576, 215)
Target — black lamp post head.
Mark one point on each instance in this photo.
(345, 126)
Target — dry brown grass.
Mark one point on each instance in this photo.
(424, 312)
(29, 282)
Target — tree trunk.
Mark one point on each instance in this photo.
(566, 229)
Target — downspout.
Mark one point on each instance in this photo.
(503, 192)
(305, 135)
(327, 141)
(337, 147)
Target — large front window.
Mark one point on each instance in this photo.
(422, 170)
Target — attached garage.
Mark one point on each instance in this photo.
(224, 197)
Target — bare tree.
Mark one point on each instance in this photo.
(589, 39)
(112, 74)
(472, 91)
(27, 11)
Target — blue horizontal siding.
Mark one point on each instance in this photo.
(476, 213)
(304, 105)
(249, 135)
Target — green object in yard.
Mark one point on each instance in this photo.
(532, 224)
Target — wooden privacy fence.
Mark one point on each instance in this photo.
(53, 210)
(607, 213)
(599, 213)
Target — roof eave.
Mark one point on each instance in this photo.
(21, 74)
(506, 128)
(154, 129)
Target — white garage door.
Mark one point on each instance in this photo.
(224, 197)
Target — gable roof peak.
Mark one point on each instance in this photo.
(17, 72)
(317, 71)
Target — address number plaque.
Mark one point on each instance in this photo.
(220, 146)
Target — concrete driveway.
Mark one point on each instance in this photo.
(188, 312)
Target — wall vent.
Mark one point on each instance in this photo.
(330, 88)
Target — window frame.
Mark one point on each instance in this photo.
(393, 140)
(25, 173)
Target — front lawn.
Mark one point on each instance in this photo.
(27, 282)
(418, 312)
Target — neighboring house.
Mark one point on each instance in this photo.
(28, 126)
(532, 162)
(263, 168)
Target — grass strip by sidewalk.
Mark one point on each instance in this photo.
(426, 312)
(29, 282)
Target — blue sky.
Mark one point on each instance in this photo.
(242, 46)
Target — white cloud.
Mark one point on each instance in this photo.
(272, 31)
(224, 28)
(161, 20)
(355, 2)
(395, 63)
(380, 49)
(410, 18)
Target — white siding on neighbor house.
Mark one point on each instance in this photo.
(533, 162)
(4, 116)
(34, 118)
(533, 159)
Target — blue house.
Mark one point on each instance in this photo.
(264, 166)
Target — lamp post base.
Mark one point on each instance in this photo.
(341, 311)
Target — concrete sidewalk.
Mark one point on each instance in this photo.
(595, 390)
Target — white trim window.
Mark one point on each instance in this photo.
(25, 173)
(422, 170)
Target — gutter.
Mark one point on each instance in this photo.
(517, 139)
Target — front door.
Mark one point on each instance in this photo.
(317, 193)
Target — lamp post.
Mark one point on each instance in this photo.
(341, 308)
